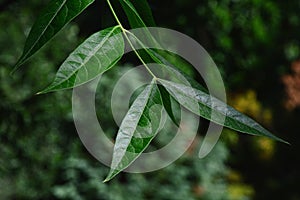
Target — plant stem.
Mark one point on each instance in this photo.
(138, 55)
(125, 31)
(114, 14)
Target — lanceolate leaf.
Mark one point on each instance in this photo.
(171, 106)
(188, 96)
(137, 130)
(138, 12)
(142, 7)
(97, 54)
(56, 15)
(140, 16)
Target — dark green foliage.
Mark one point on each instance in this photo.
(102, 51)
(138, 12)
(42, 157)
(57, 14)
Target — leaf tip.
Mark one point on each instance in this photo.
(15, 68)
(285, 142)
(44, 91)
(281, 140)
(19, 63)
(109, 177)
(106, 180)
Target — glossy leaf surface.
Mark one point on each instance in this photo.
(138, 13)
(57, 14)
(138, 128)
(171, 106)
(223, 113)
(97, 54)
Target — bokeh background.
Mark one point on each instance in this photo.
(255, 44)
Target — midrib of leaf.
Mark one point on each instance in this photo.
(46, 27)
(91, 55)
(148, 91)
(189, 96)
(257, 128)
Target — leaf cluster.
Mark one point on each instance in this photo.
(102, 50)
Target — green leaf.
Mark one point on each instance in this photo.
(138, 128)
(175, 68)
(138, 13)
(57, 14)
(140, 16)
(176, 61)
(135, 94)
(142, 7)
(171, 106)
(176, 75)
(93, 57)
(167, 60)
(203, 104)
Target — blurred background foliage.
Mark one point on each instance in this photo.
(255, 44)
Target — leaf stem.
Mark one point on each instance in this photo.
(125, 31)
(138, 55)
(114, 14)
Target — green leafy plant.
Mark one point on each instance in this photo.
(100, 52)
